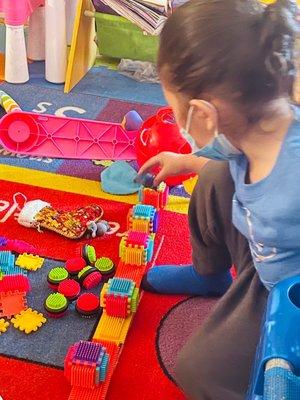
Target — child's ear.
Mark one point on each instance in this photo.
(207, 112)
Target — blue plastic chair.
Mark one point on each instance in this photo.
(276, 371)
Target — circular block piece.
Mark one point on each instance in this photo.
(75, 265)
(88, 304)
(105, 266)
(57, 275)
(69, 288)
(56, 305)
(89, 277)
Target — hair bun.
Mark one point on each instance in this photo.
(278, 38)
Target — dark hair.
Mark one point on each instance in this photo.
(237, 48)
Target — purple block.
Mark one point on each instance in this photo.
(3, 241)
(89, 352)
(155, 222)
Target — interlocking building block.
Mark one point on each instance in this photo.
(3, 325)
(142, 218)
(30, 262)
(136, 248)
(12, 303)
(129, 271)
(157, 198)
(7, 264)
(99, 392)
(119, 297)
(86, 364)
(10, 283)
(112, 329)
(28, 321)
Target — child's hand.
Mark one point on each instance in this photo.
(169, 163)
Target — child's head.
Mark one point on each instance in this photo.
(234, 52)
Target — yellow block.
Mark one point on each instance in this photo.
(141, 225)
(83, 47)
(102, 293)
(112, 329)
(133, 255)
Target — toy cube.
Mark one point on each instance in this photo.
(155, 197)
(119, 297)
(136, 248)
(143, 218)
(86, 364)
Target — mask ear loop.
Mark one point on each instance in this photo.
(209, 105)
(189, 119)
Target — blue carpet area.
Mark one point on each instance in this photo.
(103, 82)
(46, 100)
(50, 343)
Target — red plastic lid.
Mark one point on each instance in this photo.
(69, 288)
(88, 302)
(74, 265)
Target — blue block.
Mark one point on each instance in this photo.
(143, 211)
(150, 249)
(7, 261)
(120, 286)
(104, 367)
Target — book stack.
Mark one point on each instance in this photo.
(149, 15)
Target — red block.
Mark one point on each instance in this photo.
(137, 238)
(10, 283)
(151, 198)
(116, 306)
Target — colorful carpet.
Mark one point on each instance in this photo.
(31, 366)
(149, 353)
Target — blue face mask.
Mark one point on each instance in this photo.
(219, 148)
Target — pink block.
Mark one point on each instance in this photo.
(137, 238)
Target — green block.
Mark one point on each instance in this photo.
(134, 300)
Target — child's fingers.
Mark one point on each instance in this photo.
(152, 162)
(160, 177)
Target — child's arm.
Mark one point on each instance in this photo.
(173, 164)
(195, 163)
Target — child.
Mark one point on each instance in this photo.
(227, 70)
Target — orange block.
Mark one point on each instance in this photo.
(83, 376)
(129, 271)
(99, 393)
(12, 303)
